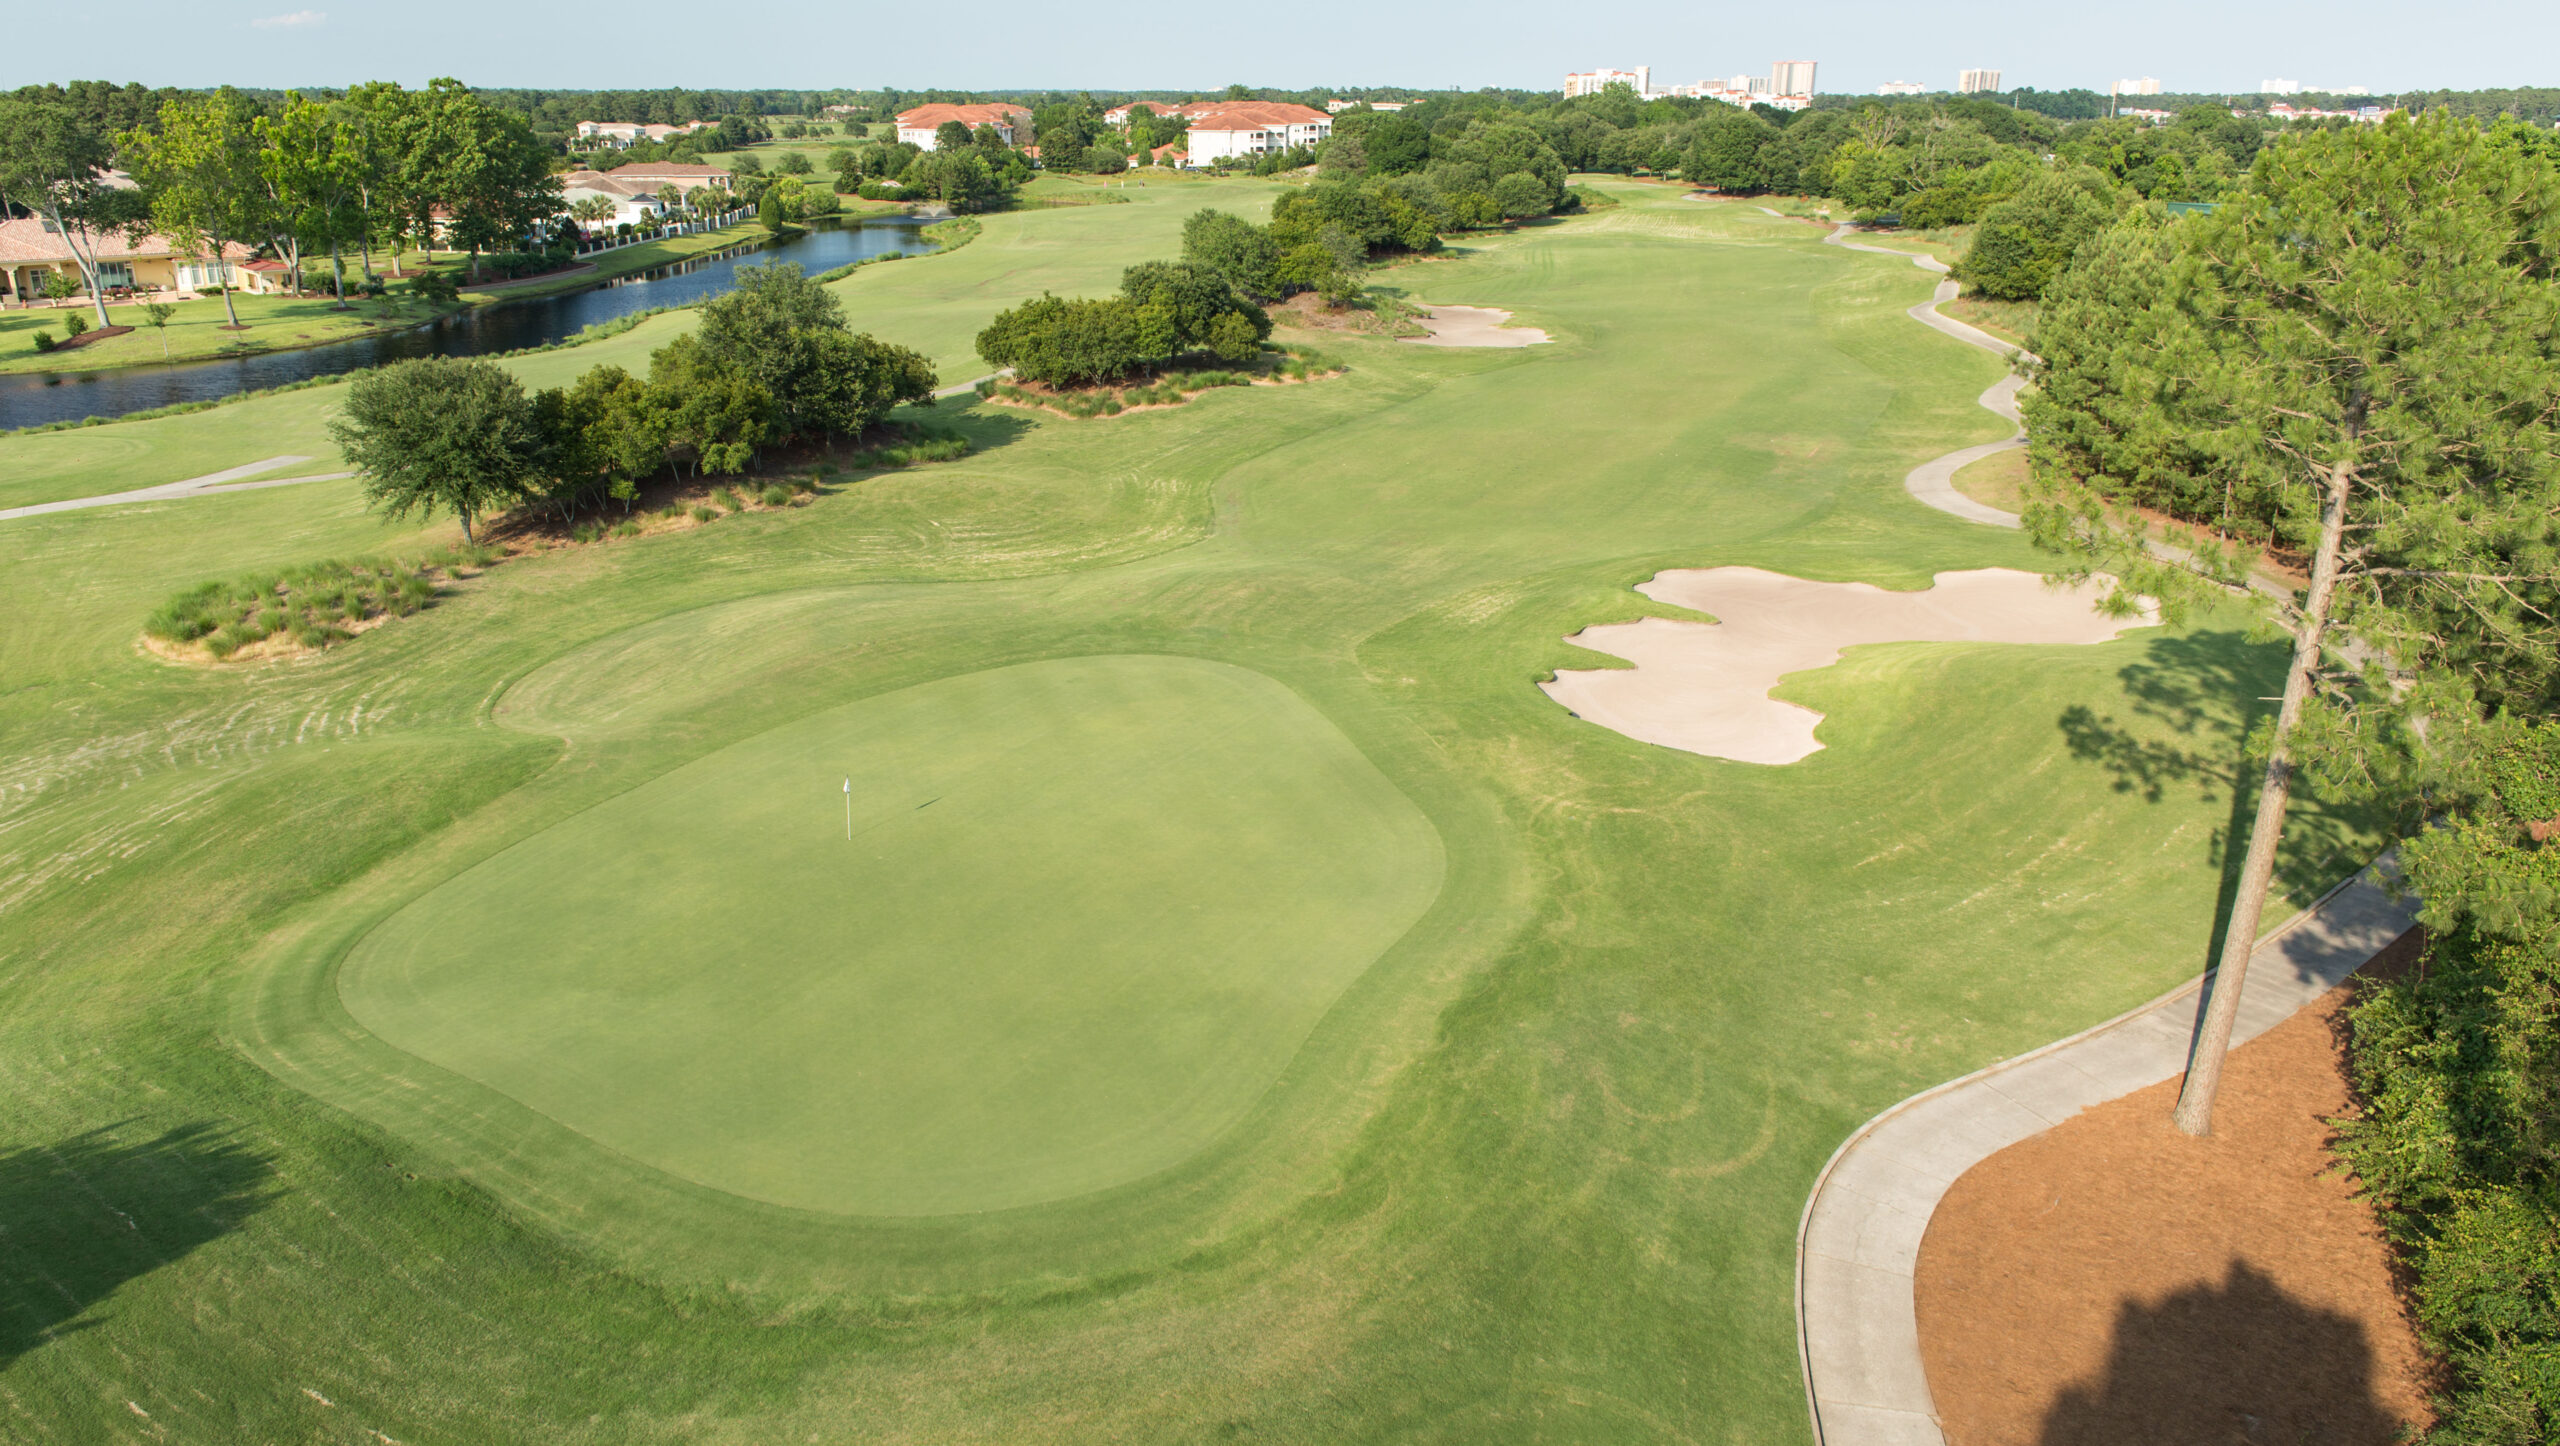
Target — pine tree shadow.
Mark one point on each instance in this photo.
(2194, 698)
(2241, 1362)
(81, 1217)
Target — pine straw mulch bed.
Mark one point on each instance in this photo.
(2111, 1282)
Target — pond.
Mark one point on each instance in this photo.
(35, 398)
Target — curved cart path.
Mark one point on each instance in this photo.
(1933, 481)
(1859, 1240)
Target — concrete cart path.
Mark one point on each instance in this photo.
(206, 485)
(1933, 481)
(1859, 1242)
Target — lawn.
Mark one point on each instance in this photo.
(483, 1031)
(274, 323)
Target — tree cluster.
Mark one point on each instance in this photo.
(1165, 310)
(770, 363)
(2357, 357)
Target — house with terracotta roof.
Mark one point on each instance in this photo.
(31, 250)
(916, 127)
(1247, 128)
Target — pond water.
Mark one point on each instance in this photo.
(34, 398)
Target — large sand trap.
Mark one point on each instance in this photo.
(1704, 687)
(1473, 326)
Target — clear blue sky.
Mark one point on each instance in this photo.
(2188, 44)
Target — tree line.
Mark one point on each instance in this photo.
(771, 363)
(377, 166)
(2355, 358)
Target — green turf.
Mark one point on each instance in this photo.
(1079, 915)
(1533, 1175)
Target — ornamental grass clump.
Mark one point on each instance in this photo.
(313, 605)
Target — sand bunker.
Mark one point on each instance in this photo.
(1473, 326)
(1704, 687)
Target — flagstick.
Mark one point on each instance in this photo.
(848, 808)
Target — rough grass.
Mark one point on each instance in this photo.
(196, 334)
(1533, 1175)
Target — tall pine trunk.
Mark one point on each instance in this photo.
(2194, 1113)
(338, 272)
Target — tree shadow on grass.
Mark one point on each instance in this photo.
(2195, 698)
(2241, 1362)
(81, 1217)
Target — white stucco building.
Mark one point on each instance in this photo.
(1253, 128)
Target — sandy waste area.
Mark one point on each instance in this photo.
(1704, 687)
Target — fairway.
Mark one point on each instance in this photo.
(1087, 911)
(1248, 1009)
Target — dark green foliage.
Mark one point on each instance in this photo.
(791, 163)
(1728, 153)
(1104, 160)
(1236, 249)
(442, 434)
(45, 341)
(782, 332)
(960, 178)
(2026, 241)
(1165, 310)
(951, 135)
(2459, 1063)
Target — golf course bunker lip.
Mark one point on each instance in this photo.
(1704, 687)
(1067, 926)
(1473, 326)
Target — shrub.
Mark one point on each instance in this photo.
(76, 323)
(304, 603)
(704, 514)
(728, 499)
(629, 527)
(44, 341)
(586, 532)
(777, 496)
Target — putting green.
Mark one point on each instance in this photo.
(1089, 910)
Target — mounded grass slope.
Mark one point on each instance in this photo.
(1533, 1174)
(1081, 915)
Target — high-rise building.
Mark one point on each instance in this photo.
(1592, 82)
(1976, 82)
(2279, 87)
(2148, 85)
(1792, 77)
(1902, 87)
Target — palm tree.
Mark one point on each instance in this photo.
(588, 210)
(670, 200)
(703, 200)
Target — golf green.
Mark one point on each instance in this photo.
(1087, 911)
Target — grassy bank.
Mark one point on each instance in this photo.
(196, 332)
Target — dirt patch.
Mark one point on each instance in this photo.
(1307, 312)
(1704, 687)
(1473, 326)
(2111, 1282)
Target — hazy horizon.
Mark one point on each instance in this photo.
(1859, 44)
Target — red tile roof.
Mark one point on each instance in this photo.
(1251, 115)
(26, 241)
(932, 117)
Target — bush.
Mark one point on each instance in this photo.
(435, 286)
(77, 323)
(728, 499)
(704, 514)
(2026, 241)
(777, 496)
(306, 603)
(44, 341)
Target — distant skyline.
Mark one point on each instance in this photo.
(644, 44)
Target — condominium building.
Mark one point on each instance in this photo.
(1902, 87)
(1791, 77)
(2148, 85)
(2279, 87)
(1592, 82)
(1976, 82)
